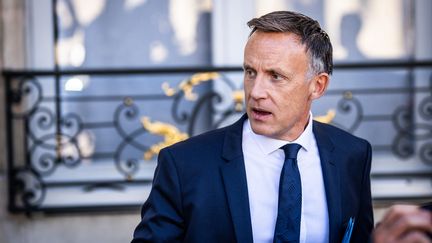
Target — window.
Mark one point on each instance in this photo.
(128, 77)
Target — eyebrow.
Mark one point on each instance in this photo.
(247, 66)
(288, 76)
(279, 71)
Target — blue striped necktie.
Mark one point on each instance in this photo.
(290, 198)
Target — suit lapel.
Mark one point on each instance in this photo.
(234, 178)
(331, 179)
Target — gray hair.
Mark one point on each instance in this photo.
(316, 40)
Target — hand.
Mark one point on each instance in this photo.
(404, 223)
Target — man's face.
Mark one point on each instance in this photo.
(278, 96)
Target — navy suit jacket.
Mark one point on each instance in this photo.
(200, 193)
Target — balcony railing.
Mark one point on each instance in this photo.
(88, 139)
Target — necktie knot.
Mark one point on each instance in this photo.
(291, 150)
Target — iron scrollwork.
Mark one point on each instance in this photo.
(30, 189)
(425, 111)
(349, 105)
(124, 164)
(412, 135)
(53, 140)
(26, 97)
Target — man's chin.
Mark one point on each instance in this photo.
(260, 129)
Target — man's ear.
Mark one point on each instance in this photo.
(319, 85)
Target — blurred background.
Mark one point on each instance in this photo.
(91, 90)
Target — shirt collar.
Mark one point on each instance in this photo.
(269, 145)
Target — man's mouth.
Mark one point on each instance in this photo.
(258, 113)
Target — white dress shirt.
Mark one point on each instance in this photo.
(263, 163)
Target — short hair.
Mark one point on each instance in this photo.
(315, 39)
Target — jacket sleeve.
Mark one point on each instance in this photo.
(364, 220)
(161, 215)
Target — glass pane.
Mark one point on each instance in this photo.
(358, 29)
(116, 34)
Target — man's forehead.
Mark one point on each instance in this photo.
(273, 34)
(274, 43)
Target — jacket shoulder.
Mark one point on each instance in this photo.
(211, 140)
(339, 136)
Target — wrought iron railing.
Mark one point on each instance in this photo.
(95, 149)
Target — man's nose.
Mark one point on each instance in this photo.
(259, 88)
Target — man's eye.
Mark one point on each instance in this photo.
(276, 76)
(249, 73)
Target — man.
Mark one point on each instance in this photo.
(243, 183)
